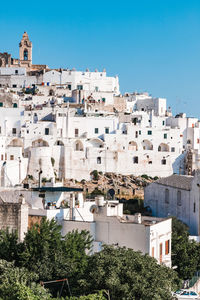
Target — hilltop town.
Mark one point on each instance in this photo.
(77, 151)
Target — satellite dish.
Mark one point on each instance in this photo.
(94, 209)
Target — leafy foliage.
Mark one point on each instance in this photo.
(185, 253)
(129, 275)
(9, 245)
(96, 296)
(17, 284)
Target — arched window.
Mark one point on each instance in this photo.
(167, 196)
(25, 54)
(179, 198)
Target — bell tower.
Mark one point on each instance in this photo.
(25, 51)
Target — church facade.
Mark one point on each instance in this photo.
(25, 57)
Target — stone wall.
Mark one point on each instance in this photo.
(14, 216)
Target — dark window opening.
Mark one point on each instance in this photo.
(98, 160)
(25, 54)
(46, 131)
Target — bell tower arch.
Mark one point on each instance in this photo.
(25, 51)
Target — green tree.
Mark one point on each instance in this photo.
(52, 256)
(128, 275)
(18, 284)
(9, 246)
(185, 253)
(96, 296)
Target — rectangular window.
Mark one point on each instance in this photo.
(11, 157)
(1, 156)
(79, 87)
(198, 141)
(172, 149)
(135, 159)
(96, 130)
(149, 132)
(167, 196)
(5, 156)
(167, 244)
(136, 134)
(160, 252)
(194, 208)
(152, 252)
(163, 122)
(179, 198)
(76, 132)
(104, 100)
(163, 161)
(46, 131)
(1, 104)
(107, 130)
(14, 130)
(98, 160)
(165, 135)
(139, 132)
(16, 71)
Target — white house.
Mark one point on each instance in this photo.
(146, 234)
(176, 195)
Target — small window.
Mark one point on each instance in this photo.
(104, 100)
(98, 160)
(149, 132)
(5, 156)
(96, 130)
(14, 130)
(163, 122)
(172, 149)
(167, 246)
(152, 252)
(11, 157)
(179, 198)
(1, 104)
(107, 130)
(16, 72)
(150, 162)
(46, 131)
(167, 196)
(139, 132)
(76, 132)
(165, 135)
(27, 131)
(136, 134)
(1, 156)
(14, 105)
(163, 161)
(79, 87)
(135, 159)
(194, 207)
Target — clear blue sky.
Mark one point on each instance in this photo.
(153, 45)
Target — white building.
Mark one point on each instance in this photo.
(146, 234)
(176, 195)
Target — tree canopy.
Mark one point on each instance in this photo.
(185, 253)
(129, 275)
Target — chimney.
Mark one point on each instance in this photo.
(138, 218)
